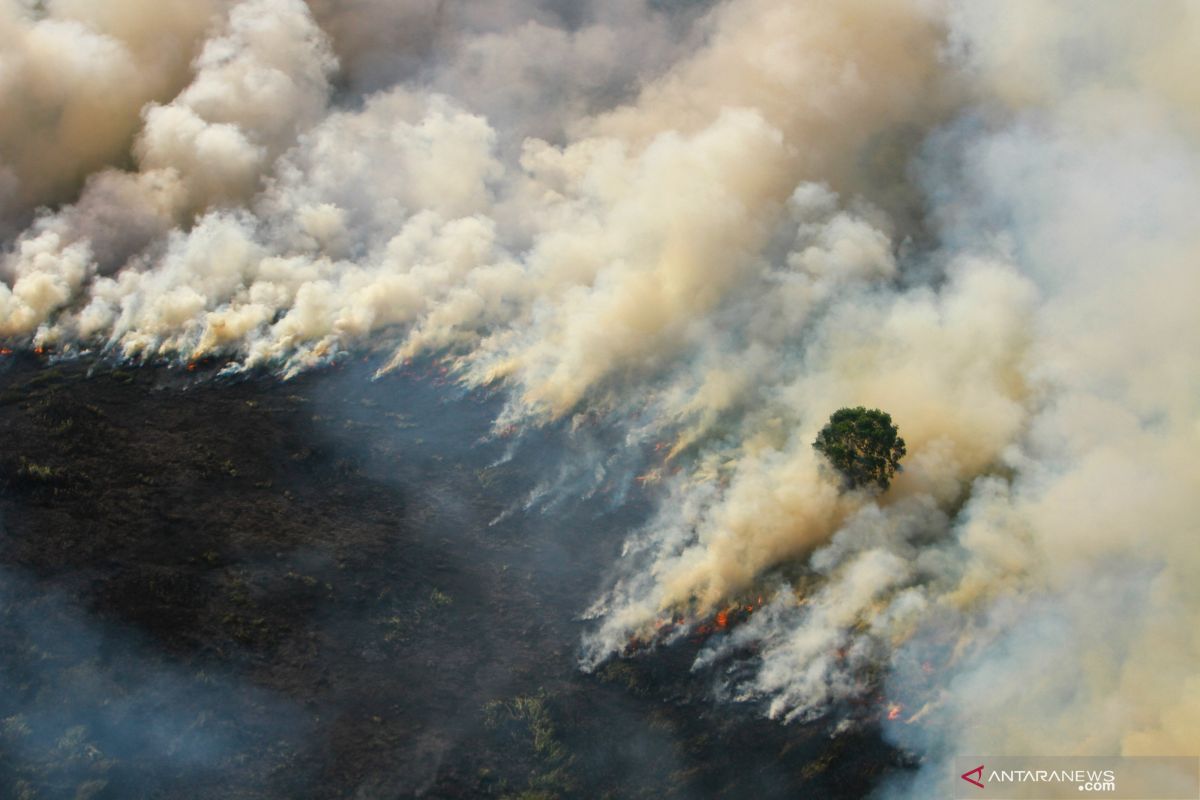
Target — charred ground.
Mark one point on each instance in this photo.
(241, 587)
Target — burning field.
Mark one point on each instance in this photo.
(324, 588)
(429, 397)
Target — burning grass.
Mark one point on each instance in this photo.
(405, 642)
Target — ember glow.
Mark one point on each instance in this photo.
(707, 225)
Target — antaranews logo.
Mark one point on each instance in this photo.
(1087, 780)
(1049, 778)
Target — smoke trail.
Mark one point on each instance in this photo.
(714, 225)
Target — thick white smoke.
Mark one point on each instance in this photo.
(715, 225)
(74, 80)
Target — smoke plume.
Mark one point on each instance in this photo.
(712, 224)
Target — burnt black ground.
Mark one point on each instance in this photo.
(217, 587)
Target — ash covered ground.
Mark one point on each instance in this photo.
(333, 587)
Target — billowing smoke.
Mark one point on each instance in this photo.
(76, 76)
(713, 224)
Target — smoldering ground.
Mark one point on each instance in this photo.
(706, 226)
(331, 587)
(92, 710)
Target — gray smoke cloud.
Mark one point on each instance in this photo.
(713, 224)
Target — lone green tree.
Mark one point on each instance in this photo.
(863, 445)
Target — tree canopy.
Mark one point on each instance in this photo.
(863, 444)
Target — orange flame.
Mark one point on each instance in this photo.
(894, 711)
(653, 476)
(723, 619)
